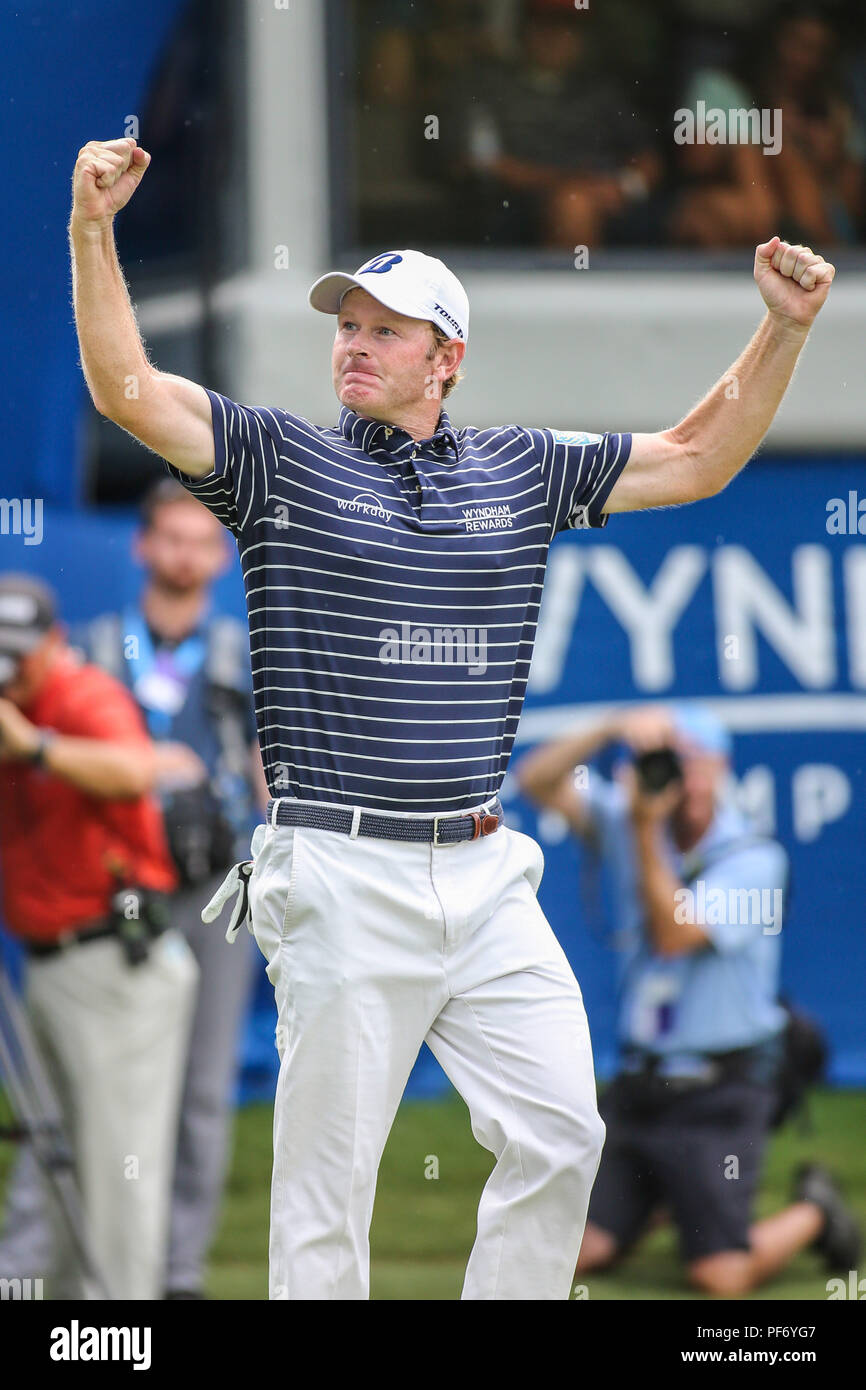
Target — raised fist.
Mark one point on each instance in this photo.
(794, 280)
(107, 173)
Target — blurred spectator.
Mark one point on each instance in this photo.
(819, 173)
(188, 668)
(419, 66)
(554, 124)
(110, 986)
(558, 140)
(811, 189)
(724, 195)
(697, 902)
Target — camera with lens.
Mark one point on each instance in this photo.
(138, 916)
(200, 838)
(657, 768)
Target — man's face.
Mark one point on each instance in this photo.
(553, 43)
(382, 361)
(703, 773)
(32, 668)
(804, 47)
(184, 547)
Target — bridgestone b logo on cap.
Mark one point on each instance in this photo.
(380, 264)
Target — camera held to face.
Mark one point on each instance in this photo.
(657, 768)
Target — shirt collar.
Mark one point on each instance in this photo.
(376, 434)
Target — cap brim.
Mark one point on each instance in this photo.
(327, 293)
(15, 642)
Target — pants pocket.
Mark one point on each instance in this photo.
(272, 893)
(532, 856)
(290, 907)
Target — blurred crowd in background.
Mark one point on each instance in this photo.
(535, 124)
(556, 123)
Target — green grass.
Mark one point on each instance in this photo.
(423, 1228)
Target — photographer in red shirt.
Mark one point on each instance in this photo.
(110, 988)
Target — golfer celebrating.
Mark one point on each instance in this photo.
(393, 568)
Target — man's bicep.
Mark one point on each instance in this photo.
(659, 473)
(172, 416)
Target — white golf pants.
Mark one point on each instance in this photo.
(374, 946)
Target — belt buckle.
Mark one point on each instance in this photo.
(446, 815)
(484, 824)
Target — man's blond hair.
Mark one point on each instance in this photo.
(439, 340)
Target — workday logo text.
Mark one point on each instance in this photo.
(367, 504)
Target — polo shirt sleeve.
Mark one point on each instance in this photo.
(578, 471)
(246, 459)
(743, 896)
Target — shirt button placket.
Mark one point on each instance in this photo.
(412, 457)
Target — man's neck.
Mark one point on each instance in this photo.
(172, 615)
(419, 421)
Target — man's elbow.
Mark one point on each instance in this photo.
(116, 410)
(125, 405)
(675, 940)
(699, 481)
(692, 482)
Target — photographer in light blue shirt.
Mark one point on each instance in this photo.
(696, 901)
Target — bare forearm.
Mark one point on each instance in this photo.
(541, 771)
(100, 768)
(113, 357)
(658, 886)
(722, 433)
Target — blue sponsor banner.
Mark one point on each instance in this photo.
(754, 602)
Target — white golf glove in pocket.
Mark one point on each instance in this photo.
(236, 883)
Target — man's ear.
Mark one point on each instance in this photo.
(453, 353)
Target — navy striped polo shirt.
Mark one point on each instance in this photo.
(393, 589)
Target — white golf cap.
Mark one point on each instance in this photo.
(406, 281)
